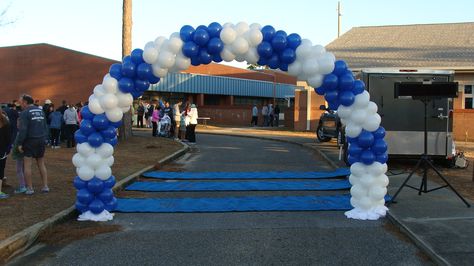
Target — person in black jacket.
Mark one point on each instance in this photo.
(5, 146)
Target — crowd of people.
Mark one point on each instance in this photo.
(270, 114)
(166, 121)
(26, 129)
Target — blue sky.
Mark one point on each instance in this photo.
(94, 26)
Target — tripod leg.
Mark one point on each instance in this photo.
(424, 179)
(449, 185)
(405, 182)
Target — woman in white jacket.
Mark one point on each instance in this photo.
(192, 117)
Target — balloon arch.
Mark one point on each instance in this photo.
(264, 46)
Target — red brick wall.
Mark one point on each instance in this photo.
(229, 115)
(49, 72)
(300, 110)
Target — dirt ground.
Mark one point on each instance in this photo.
(20, 211)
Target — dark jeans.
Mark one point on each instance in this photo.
(254, 120)
(140, 121)
(70, 129)
(155, 128)
(277, 119)
(191, 133)
(55, 132)
(270, 120)
(2, 167)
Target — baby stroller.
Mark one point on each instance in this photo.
(165, 126)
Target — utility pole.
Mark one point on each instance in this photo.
(339, 14)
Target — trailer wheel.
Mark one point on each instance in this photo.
(320, 135)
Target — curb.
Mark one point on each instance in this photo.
(416, 240)
(22, 240)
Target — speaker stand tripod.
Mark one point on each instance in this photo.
(425, 163)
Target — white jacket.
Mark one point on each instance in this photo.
(193, 116)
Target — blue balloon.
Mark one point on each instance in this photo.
(262, 61)
(331, 96)
(366, 139)
(320, 90)
(136, 94)
(190, 49)
(111, 205)
(202, 27)
(86, 127)
(281, 33)
(351, 140)
(283, 66)
(379, 133)
(274, 62)
(381, 158)
(95, 139)
(186, 33)
(204, 57)
(86, 113)
(367, 157)
(96, 206)
(80, 137)
(81, 207)
(95, 185)
(214, 29)
(106, 195)
(330, 82)
(340, 67)
(152, 79)
(346, 98)
(126, 85)
(142, 85)
(215, 46)
(346, 82)
(268, 32)
(109, 133)
(112, 141)
(116, 124)
(265, 50)
(354, 149)
(100, 122)
(137, 56)
(201, 37)
(195, 61)
(279, 42)
(110, 182)
(127, 59)
(144, 71)
(79, 183)
(293, 41)
(379, 147)
(115, 71)
(352, 159)
(129, 69)
(288, 56)
(333, 105)
(216, 58)
(358, 87)
(84, 196)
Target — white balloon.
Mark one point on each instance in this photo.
(362, 100)
(108, 101)
(85, 173)
(344, 111)
(166, 59)
(359, 116)
(94, 161)
(372, 108)
(372, 123)
(344, 121)
(367, 181)
(99, 91)
(109, 161)
(376, 169)
(377, 193)
(159, 41)
(150, 53)
(84, 149)
(326, 64)
(365, 203)
(124, 99)
(255, 26)
(227, 55)
(228, 25)
(240, 58)
(110, 84)
(240, 46)
(94, 105)
(357, 191)
(355, 202)
(241, 27)
(255, 37)
(182, 62)
(358, 169)
(294, 68)
(315, 81)
(175, 45)
(228, 35)
(78, 160)
(175, 35)
(159, 71)
(125, 109)
(382, 180)
(304, 49)
(310, 67)
(105, 150)
(353, 179)
(317, 51)
(353, 130)
(114, 114)
(103, 172)
(252, 56)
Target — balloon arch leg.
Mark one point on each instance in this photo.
(264, 46)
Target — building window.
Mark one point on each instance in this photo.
(242, 100)
(468, 96)
(210, 99)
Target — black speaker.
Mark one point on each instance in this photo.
(426, 90)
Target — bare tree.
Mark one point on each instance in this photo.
(4, 21)
(126, 129)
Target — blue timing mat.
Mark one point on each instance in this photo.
(341, 172)
(240, 185)
(236, 204)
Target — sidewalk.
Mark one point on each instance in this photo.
(438, 222)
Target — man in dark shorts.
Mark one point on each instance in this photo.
(31, 140)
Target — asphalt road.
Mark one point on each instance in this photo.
(255, 238)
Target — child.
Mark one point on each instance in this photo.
(155, 118)
(18, 157)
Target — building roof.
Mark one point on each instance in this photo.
(449, 46)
